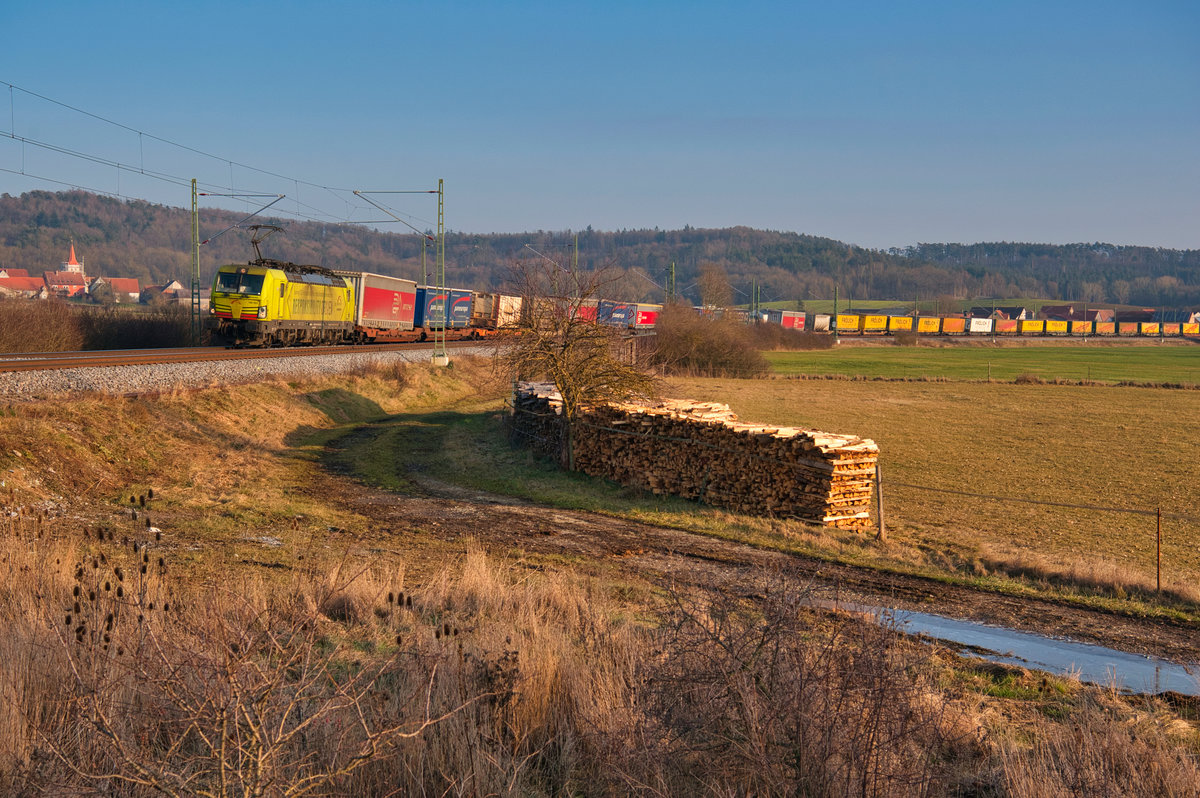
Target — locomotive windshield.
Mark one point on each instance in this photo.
(239, 283)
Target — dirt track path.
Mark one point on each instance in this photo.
(438, 516)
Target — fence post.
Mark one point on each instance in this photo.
(1158, 548)
(881, 535)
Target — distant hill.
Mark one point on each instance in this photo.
(152, 243)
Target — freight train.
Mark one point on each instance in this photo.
(274, 303)
(870, 324)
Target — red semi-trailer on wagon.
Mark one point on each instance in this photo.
(384, 307)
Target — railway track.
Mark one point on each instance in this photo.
(41, 361)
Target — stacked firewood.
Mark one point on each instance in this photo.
(699, 450)
(537, 419)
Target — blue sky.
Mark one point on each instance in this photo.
(877, 123)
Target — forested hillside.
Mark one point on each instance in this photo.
(152, 243)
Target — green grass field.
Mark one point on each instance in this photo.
(946, 446)
(1145, 364)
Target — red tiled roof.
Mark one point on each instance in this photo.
(22, 283)
(123, 285)
(17, 272)
(64, 278)
(72, 261)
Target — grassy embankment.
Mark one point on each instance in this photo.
(271, 590)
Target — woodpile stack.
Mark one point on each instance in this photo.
(699, 450)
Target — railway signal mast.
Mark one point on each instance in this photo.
(440, 357)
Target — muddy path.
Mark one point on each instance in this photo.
(433, 519)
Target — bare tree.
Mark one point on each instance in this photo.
(560, 340)
(715, 290)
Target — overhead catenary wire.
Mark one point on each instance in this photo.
(68, 184)
(315, 213)
(251, 216)
(160, 139)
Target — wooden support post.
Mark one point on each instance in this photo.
(1158, 580)
(882, 533)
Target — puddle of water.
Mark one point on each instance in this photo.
(1131, 673)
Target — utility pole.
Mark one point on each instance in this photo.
(196, 318)
(671, 284)
(440, 356)
(835, 314)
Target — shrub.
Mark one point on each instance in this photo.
(767, 699)
(39, 326)
(693, 344)
(57, 326)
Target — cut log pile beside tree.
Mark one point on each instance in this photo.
(699, 450)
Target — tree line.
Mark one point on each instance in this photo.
(152, 242)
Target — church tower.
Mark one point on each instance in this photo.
(72, 265)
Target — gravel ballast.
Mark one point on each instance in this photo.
(165, 377)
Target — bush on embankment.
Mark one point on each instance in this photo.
(692, 344)
(57, 326)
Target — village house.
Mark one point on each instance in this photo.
(170, 292)
(125, 289)
(1072, 313)
(23, 286)
(998, 313)
(65, 284)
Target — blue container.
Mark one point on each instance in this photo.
(618, 314)
(432, 307)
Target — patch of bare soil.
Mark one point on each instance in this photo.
(438, 518)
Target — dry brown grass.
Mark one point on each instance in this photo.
(229, 464)
(1077, 445)
(339, 681)
(533, 682)
(1102, 749)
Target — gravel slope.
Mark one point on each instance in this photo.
(161, 378)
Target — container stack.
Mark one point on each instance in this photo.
(699, 450)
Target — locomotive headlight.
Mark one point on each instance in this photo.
(262, 311)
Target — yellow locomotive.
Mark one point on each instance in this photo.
(273, 303)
